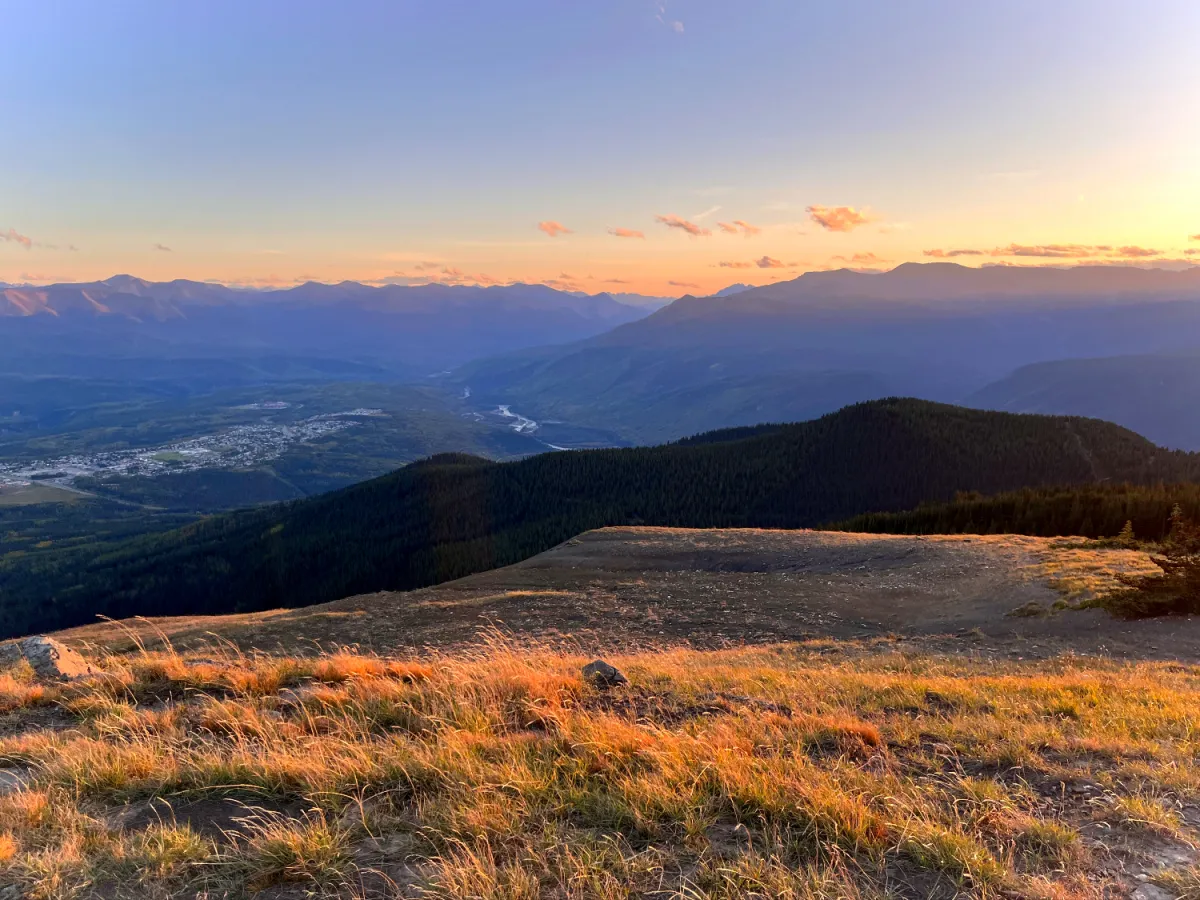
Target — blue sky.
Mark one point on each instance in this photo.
(271, 141)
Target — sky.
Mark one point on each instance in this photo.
(656, 146)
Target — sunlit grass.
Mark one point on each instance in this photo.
(766, 772)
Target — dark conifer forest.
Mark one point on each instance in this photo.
(452, 515)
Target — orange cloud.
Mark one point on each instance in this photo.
(1075, 251)
(625, 233)
(453, 276)
(1194, 237)
(838, 218)
(683, 284)
(1192, 252)
(745, 227)
(950, 254)
(554, 229)
(12, 237)
(860, 259)
(616, 281)
(736, 265)
(672, 221)
(768, 263)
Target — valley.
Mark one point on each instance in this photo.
(239, 447)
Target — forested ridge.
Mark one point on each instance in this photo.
(1094, 511)
(451, 515)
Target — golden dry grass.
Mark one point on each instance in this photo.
(793, 771)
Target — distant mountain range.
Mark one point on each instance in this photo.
(452, 515)
(801, 348)
(1156, 395)
(733, 289)
(412, 330)
(625, 368)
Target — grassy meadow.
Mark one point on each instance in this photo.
(821, 769)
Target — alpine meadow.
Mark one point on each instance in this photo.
(630, 450)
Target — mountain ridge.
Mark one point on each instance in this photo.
(453, 514)
(795, 349)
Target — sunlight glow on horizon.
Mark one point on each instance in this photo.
(593, 148)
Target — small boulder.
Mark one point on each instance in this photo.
(602, 675)
(54, 661)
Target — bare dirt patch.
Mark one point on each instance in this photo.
(626, 588)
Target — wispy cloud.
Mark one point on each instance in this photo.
(673, 221)
(1192, 252)
(39, 278)
(554, 229)
(448, 275)
(951, 254)
(838, 218)
(1054, 251)
(1075, 251)
(683, 284)
(13, 237)
(453, 276)
(625, 233)
(1133, 252)
(615, 281)
(163, 248)
(768, 262)
(736, 264)
(739, 226)
(661, 15)
(708, 212)
(1194, 237)
(862, 259)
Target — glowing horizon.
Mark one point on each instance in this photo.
(614, 148)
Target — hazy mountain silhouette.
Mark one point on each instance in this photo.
(414, 329)
(1155, 395)
(804, 347)
(733, 289)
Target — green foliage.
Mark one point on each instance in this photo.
(1176, 591)
(452, 515)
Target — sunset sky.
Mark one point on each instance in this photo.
(658, 147)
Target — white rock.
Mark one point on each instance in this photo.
(55, 661)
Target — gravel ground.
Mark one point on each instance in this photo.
(629, 588)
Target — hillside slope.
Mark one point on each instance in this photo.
(805, 347)
(1155, 395)
(452, 515)
(615, 589)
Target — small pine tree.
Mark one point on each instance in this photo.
(1174, 592)
(1126, 537)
